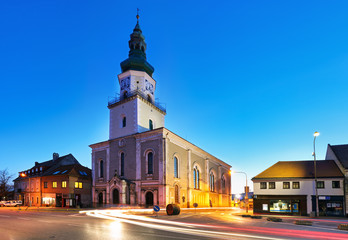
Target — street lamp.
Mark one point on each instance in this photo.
(246, 198)
(316, 134)
(25, 175)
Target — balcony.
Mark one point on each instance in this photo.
(115, 100)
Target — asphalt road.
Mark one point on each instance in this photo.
(23, 225)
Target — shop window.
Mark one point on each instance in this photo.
(295, 185)
(320, 184)
(63, 184)
(280, 206)
(54, 184)
(286, 185)
(335, 184)
(271, 185)
(263, 185)
(45, 184)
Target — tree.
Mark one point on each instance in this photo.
(5, 187)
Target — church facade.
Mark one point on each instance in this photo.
(143, 163)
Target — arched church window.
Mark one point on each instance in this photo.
(223, 184)
(124, 122)
(150, 124)
(196, 182)
(176, 173)
(142, 48)
(101, 168)
(122, 164)
(150, 163)
(212, 181)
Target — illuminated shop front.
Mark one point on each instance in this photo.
(329, 205)
(289, 205)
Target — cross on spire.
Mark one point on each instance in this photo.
(137, 15)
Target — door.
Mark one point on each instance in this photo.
(115, 196)
(149, 199)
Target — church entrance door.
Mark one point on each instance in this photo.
(149, 199)
(115, 196)
(100, 198)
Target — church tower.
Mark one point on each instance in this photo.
(135, 110)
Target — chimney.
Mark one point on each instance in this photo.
(55, 156)
(36, 163)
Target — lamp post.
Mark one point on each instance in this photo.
(25, 175)
(316, 134)
(246, 198)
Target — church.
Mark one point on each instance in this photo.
(143, 163)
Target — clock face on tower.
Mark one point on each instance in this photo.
(125, 84)
(149, 86)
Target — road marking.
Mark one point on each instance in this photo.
(24, 218)
(4, 216)
(44, 221)
(166, 236)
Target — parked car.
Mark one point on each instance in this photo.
(12, 203)
(2, 204)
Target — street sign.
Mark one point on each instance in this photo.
(156, 208)
(195, 205)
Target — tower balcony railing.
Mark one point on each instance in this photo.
(114, 100)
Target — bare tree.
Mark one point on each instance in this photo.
(6, 187)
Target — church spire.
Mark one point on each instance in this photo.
(137, 56)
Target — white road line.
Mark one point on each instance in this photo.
(24, 218)
(44, 221)
(166, 236)
(4, 216)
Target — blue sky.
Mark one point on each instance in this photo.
(248, 81)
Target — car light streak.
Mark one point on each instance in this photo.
(202, 233)
(247, 232)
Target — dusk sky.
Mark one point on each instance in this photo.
(247, 81)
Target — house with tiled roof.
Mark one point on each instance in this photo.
(60, 182)
(288, 187)
(339, 153)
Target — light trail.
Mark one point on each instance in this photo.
(188, 228)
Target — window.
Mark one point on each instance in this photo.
(286, 185)
(212, 181)
(150, 124)
(40, 169)
(335, 184)
(271, 185)
(263, 185)
(295, 185)
(63, 184)
(196, 178)
(176, 174)
(78, 184)
(150, 163)
(122, 164)
(45, 184)
(320, 184)
(223, 184)
(101, 168)
(54, 184)
(124, 122)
